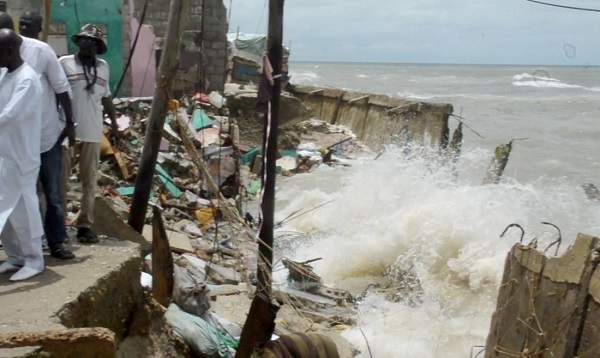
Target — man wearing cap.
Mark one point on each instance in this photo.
(88, 76)
(40, 56)
(20, 130)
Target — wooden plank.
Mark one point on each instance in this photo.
(162, 262)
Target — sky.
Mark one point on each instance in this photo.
(431, 31)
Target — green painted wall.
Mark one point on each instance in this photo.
(76, 13)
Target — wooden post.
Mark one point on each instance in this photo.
(162, 262)
(166, 71)
(46, 25)
(260, 322)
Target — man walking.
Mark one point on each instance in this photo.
(40, 56)
(20, 130)
(88, 76)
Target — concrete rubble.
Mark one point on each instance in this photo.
(218, 252)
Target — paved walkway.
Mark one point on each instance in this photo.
(32, 305)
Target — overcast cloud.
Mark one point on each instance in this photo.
(431, 31)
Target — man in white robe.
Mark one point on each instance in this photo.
(20, 130)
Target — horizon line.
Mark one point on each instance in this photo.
(440, 63)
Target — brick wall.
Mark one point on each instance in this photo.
(204, 45)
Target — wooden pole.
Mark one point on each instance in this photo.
(166, 72)
(275, 49)
(162, 262)
(260, 323)
(46, 25)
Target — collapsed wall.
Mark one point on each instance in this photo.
(548, 307)
(378, 119)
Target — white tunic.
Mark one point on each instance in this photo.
(20, 128)
(87, 104)
(41, 57)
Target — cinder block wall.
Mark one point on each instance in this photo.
(204, 46)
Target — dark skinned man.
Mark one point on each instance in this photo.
(40, 56)
(21, 227)
(88, 76)
(30, 24)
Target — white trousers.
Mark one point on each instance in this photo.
(22, 231)
(20, 248)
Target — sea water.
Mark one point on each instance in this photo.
(401, 214)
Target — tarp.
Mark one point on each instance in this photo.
(250, 46)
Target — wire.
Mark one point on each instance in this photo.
(564, 6)
(76, 14)
(133, 46)
(261, 17)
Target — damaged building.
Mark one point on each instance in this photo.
(203, 48)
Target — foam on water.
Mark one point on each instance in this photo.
(401, 212)
(304, 77)
(528, 80)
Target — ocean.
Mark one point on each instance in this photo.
(398, 215)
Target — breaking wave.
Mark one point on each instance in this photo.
(401, 213)
(304, 77)
(543, 81)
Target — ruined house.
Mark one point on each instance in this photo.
(203, 48)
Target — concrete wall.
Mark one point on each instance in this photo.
(548, 307)
(377, 119)
(203, 54)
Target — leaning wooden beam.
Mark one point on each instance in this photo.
(260, 323)
(162, 262)
(234, 130)
(158, 112)
(88, 342)
(226, 208)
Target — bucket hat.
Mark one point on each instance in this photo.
(91, 31)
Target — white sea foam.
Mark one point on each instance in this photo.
(402, 212)
(306, 77)
(528, 80)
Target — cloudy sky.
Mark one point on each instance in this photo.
(431, 31)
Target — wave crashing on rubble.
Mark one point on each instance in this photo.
(401, 213)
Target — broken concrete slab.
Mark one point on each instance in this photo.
(223, 290)
(305, 296)
(220, 274)
(108, 223)
(180, 242)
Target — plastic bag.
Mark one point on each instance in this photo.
(200, 336)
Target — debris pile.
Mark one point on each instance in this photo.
(206, 188)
